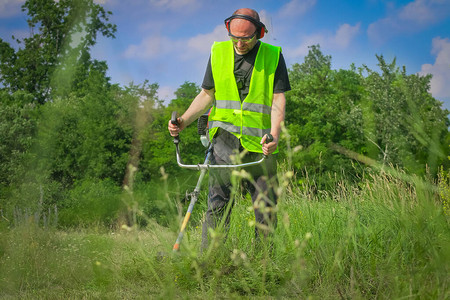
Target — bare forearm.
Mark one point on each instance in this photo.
(277, 114)
(276, 118)
(199, 105)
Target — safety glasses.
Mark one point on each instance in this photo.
(243, 39)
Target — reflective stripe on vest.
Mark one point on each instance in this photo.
(249, 120)
(236, 129)
(254, 107)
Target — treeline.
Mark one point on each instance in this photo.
(386, 118)
(72, 141)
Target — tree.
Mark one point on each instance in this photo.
(56, 57)
(17, 128)
(389, 117)
(323, 109)
(88, 136)
(147, 108)
(408, 127)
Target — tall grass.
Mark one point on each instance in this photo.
(386, 239)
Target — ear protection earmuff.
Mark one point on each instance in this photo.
(260, 27)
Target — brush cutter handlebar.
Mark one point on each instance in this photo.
(174, 121)
(206, 165)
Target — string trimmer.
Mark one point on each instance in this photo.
(202, 130)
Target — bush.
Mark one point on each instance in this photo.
(91, 202)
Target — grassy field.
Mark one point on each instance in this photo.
(387, 239)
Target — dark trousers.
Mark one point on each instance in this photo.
(261, 186)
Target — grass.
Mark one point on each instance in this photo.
(387, 239)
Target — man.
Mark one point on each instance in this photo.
(244, 83)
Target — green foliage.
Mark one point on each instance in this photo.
(75, 135)
(80, 137)
(74, 160)
(91, 203)
(389, 117)
(33, 259)
(156, 203)
(62, 33)
(17, 128)
(68, 135)
(408, 127)
(444, 189)
(324, 108)
(347, 243)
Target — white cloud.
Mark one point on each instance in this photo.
(296, 8)
(440, 87)
(150, 48)
(345, 34)
(157, 46)
(102, 2)
(340, 40)
(166, 93)
(302, 49)
(175, 5)
(425, 11)
(412, 17)
(201, 44)
(10, 8)
(416, 11)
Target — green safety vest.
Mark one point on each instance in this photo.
(249, 120)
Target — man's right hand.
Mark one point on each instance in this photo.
(175, 130)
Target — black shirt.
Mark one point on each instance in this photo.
(243, 67)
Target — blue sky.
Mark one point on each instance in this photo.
(168, 41)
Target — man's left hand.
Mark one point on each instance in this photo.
(270, 147)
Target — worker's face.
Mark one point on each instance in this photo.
(243, 35)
